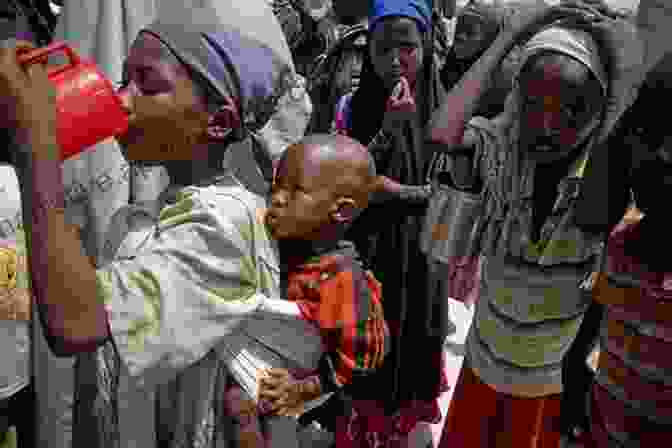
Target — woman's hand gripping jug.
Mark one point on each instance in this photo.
(88, 108)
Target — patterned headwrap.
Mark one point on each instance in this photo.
(414, 9)
(241, 54)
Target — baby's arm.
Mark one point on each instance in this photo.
(286, 395)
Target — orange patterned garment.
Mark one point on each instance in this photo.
(344, 301)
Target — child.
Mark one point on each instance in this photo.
(321, 185)
(528, 165)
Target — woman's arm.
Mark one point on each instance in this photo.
(448, 123)
(63, 278)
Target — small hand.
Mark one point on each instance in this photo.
(282, 390)
(400, 107)
(28, 96)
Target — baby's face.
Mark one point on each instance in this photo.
(301, 198)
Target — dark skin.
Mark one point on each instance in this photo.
(170, 121)
(320, 186)
(397, 54)
(560, 98)
(397, 51)
(159, 94)
(470, 36)
(448, 123)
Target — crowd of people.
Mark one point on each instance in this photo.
(334, 172)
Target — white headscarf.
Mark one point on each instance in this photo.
(577, 44)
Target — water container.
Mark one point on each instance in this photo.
(88, 108)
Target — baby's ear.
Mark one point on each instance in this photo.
(345, 210)
(224, 120)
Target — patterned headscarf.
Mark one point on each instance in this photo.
(241, 54)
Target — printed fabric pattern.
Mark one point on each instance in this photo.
(346, 304)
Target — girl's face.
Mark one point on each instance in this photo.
(396, 50)
(167, 118)
(470, 36)
(559, 99)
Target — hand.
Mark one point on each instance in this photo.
(400, 107)
(28, 96)
(384, 189)
(521, 23)
(380, 185)
(283, 391)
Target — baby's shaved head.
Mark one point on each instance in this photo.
(321, 185)
(343, 164)
(340, 149)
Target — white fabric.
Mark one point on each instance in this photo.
(575, 43)
(273, 333)
(193, 322)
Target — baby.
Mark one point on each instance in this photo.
(321, 185)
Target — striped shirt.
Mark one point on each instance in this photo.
(531, 303)
(632, 397)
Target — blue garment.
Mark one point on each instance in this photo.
(419, 10)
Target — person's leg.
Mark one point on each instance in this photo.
(576, 376)
(529, 422)
(473, 417)
(243, 411)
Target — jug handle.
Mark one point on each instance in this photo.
(30, 57)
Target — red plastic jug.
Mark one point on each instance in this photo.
(88, 108)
